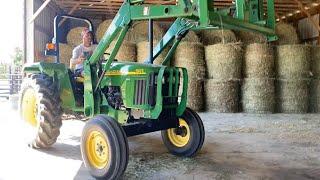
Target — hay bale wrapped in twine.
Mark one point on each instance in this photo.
(139, 31)
(126, 53)
(143, 52)
(74, 36)
(224, 61)
(293, 61)
(191, 56)
(287, 34)
(65, 52)
(191, 37)
(102, 28)
(195, 94)
(315, 61)
(258, 95)
(222, 96)
(210, 37)
(314, 99)
(248, 37)
(292, 95)
(258, 61)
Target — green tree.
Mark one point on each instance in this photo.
(17, 57)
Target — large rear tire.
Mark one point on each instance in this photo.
(104, 148)
(39, 106)
(187, 139)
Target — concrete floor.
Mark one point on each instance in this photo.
(237, 146)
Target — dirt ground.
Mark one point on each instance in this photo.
(237, 146)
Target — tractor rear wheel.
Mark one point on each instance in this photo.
(39, 106)
(187, 139)
(104, 148)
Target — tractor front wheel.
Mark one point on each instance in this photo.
(104, 148)
(187, 139)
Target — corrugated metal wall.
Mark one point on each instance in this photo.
(39, 32)
(307, 30)
(43, 29)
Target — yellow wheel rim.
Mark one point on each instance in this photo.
(30, 107)
(182, 138)
(97, 150)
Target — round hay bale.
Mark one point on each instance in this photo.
(191, 37)
(224, 61)
(248, 37)
(258, 61)
(126, 53)
(143, 53)
(287, 34)
(292, 95)
(74, 36)
(315, 61)
(102, 28)
(195, 94)
(139, 31)
(222, 96)
(210, 37)
(65, 53)
(191, 56)
(293, 61)
(258, 95)
(50, 59)
(315, 96)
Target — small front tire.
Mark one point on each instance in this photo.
(187, 139)
(104, 148)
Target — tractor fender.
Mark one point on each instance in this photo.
(51, 69)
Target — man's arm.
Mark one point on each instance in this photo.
(77, 57)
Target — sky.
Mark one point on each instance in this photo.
(11, 31)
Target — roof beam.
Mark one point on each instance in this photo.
(36, 14)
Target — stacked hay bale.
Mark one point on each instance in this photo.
(287, 34)
(139, 31)
(102, 29)
(191, 37)
(126, 53)
(258, 88)
(65, 54)
(210, 37)
(315, 82)
(224, 63)
(191, 56)
(293, 73)
(74, 36)
(247, 37)
(143, 53)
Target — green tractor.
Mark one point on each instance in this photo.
(126, 99)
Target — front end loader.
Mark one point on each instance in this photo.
(126, 99)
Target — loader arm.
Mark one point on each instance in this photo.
(190, 15)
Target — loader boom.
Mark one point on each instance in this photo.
(190, 15)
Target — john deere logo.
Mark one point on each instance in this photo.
(122, 73)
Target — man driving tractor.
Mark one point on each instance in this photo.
(82, 51)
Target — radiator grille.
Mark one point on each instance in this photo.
(140, 92)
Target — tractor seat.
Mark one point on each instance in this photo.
(78, 79)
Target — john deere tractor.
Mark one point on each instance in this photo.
(126, 99)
